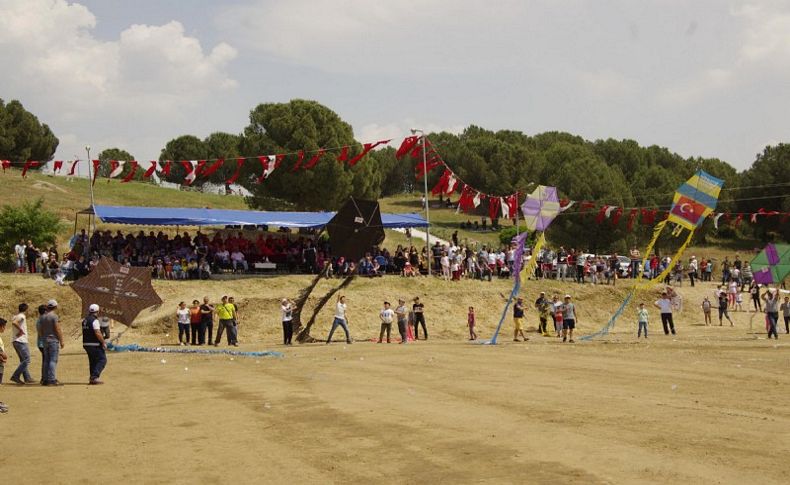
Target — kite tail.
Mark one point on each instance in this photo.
(656, 232)
(516, 288)
(610, 324)
(529, 269)
(677, 255)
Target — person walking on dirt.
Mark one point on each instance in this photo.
(94, 344)
(665, 305)
(542, 306)
(341, 320)
(470, 322)
(20, 342)
(419, 318)
(518, 320)
(569, 319)
(706, 308)
(723, 313)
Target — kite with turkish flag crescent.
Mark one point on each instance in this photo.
(121, 292)
(695, 200)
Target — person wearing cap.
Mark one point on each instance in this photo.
(386, 315)
(225, 317)
(401, 313)
(542, 306)
(568, 319)
(665, 305)
(53, 342)
(94, 344)
(693, 268)
(419, 318)
(518, 320)
(287, 309)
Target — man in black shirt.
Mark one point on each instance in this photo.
(419, 318)
(206, 322)
(94, 344)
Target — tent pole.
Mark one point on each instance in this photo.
(427, 201)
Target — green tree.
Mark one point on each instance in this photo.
(304, 125)
(22, 136)
(27, 221)
(227, 147)
(185, 147)
(772, 169)
(119, 155)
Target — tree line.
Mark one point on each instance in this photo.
(613, 172)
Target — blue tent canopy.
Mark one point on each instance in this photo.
(171, 216)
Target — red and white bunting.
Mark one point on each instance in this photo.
(116, 168)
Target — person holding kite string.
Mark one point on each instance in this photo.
(772, 311)
(665, 305)
(341, 320)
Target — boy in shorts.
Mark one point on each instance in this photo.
(518, 320)
(568, 319)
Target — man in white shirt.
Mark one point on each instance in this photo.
(20, 341)
(19, 252)
(238, 260)
(341, 320)
(665, 305)
(286, 308)
(386, 315)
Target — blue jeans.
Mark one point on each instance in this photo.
(339, 322)
(51, 351)
(642, 326)
(24, 361)
(97, 359)
(773, 318)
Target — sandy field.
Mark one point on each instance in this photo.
(710, 405)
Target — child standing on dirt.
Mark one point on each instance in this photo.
(470, 321)
(706, 307)
(386, 315)
(641, 318)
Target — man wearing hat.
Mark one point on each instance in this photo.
(52, 336)
(94, 344)
(542, 306)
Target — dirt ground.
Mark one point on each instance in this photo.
(711, 405)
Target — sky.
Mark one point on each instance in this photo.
(704, 78)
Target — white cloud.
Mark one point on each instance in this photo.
(351, 35)
(152, 78)
(767, 34)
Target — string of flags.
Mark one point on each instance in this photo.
(194, 169)
(449, 183)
